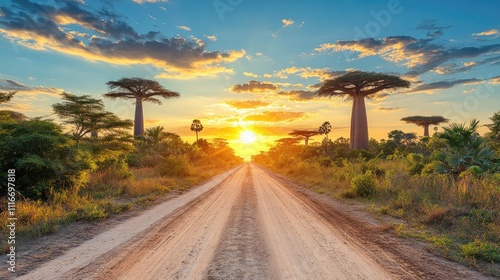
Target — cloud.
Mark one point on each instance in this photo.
(255, 86)
(246, 104)
(287, 22)
(390, 109)
(149, 1)
(211, 37)
(431, 87)
(299, 95)
(453, 68)
(42, 27)
(418, 55)
(495, 80)
(274, 116)
(490, 34)
(433, 31)
(183, 27)
(22, 89)
(250, 74)
(308, 72)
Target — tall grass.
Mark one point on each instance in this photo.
(461, 218)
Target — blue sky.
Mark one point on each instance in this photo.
(242, 64)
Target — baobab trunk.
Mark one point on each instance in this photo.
(426, 130)
(139, 118)
(359, 124)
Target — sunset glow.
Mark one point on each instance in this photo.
(236, 72)
(248, 137)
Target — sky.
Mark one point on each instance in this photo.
(242, 65)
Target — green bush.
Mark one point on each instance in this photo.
(174, 166)
(415, 163)
(43, 158)
(363, 185)
(481, 250)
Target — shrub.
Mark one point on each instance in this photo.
(481, 250)
(415, 163)
(175, 166)
(363, 185)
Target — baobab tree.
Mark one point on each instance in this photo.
(306, 134)
(357, 85)
(140, 90)
(196, 126)
(425, 121)
(324, 129)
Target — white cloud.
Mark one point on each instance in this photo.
(287, 22)
(211, 37)
(149, 1)
(183, 27)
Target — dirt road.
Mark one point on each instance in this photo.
(252, 225)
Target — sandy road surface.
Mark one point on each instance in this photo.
(252, 225)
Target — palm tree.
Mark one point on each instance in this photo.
(155, 134)
(425, 121)
(140, 90)
(357, 85)
(196, 126)
(306, 134)
(325, 128)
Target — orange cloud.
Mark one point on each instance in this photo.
(274, 116)
(246, 104)
(255, 86)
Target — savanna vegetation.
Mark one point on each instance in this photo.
(442, 189)
(88, 166)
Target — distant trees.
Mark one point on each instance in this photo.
(305, 134)
(425, 121)
(140, 90)
(196, 126)
(357, 85)
(86, 115)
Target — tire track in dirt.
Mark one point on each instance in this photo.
(242, 253)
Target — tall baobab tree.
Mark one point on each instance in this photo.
(140, 90)
(306, 134)
(425, 121)
(196, 126)
(325, 128)
(357, 85)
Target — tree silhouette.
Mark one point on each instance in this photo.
(6, 96)
(288, 141)
(357, 85)
(306, 134)
(325, 128)
(196, 126)
(425, 121)
(140, 90)
(87, 115)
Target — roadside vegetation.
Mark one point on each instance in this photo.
(90, 167)
(443, 189)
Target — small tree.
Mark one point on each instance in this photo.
(463, 149)
(425, 121)
(140, 90)
(306, 134)
(86, 115)
(324, 129)
(196, 126)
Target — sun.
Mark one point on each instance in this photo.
(248, 137)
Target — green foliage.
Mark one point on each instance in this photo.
(479, 249)
(416, 163)
(43, 157)
(463, 148)
(174, 166)
(363, 185)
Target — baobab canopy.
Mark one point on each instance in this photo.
(357, 85)
(425, 121)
